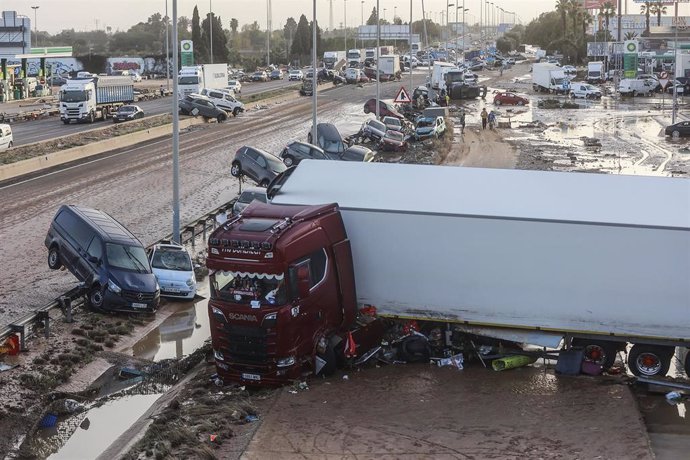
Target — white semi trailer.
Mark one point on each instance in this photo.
(94, 98)
(534, 257)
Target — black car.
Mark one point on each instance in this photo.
(247, 196)
(196, 104)
(276, 74)
(680, 129)
(257, 164)
(297, 151)
(329, 139)
(128, 112)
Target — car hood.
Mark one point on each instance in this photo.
(133, 281)
(425, 130)
(172, 275)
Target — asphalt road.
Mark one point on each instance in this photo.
(50, 128)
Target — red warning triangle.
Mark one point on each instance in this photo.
(402, 97)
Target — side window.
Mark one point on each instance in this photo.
(316, 154)
(317, 262)
(216, 95)
(261, 161)
(96, 248)
(79, 232)
(251, 154)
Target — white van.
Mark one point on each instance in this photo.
(6, 139)
(635, 87)
(224, 99)
(352, 75)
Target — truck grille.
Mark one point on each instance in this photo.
(141, 297)
(72, 112)
(246, 344)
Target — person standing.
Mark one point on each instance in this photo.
(462, 121)
(492, 119)
(485, 116)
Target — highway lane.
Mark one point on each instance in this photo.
(51, 128)
(134, 185)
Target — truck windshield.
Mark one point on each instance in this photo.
(127, 257)
(188, 80)
(245, 288)
(73, 96)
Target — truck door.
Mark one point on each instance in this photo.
(346, 280)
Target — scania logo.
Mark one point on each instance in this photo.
(241, 317)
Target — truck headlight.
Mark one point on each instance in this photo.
(286, 362)
(112, 287)
(218, 313)
(270, 320)
(218, 356)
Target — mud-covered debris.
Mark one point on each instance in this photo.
(591, 141)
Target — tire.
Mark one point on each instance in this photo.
(600, 352)
(236, 169)
(95, 298)
(65, 122)
(497, 102)
(366, 110)
(221, 118)
(520, 103)
(54, 262)
(634, 93)
(235, 111)
(675, 134)
(649, 360)
(289, 161)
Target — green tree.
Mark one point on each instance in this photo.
(544, 30)
(607, 11)
(372, 18)
(658, 10)
(289, 30)
(301, 42)
(630, 36)
(646, 9)
(233, 26)
(220, 47)
(562, 10)
(200, 47)
(573, 9)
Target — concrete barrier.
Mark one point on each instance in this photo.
(30, 165)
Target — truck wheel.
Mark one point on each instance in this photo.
(65, 122)
(54, 258)
(600, 352)
(236, 169)
(95, 299)
(649, 360)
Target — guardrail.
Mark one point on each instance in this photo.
(189, 233)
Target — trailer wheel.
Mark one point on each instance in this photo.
(600, 352)
(649, 360)
(686, 363)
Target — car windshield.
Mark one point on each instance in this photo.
(248, 288)
(425, 122)
(377, 125)
(127, 257)
(392, 121)
(248, 197)
(171, 259)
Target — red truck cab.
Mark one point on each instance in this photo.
(282, 293)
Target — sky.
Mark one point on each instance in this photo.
(55, 15)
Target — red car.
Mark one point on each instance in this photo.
(393, 141)
(510, 99)
(385, 110)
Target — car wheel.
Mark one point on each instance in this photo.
(54, 262)
(221, 118)
(366, 110)
(235, 111)
(675, 134)
(96, 298)
(497, 102)
(520, 103)
(236, 169)
(289, 161)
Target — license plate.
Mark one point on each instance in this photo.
(176, 290)
(251, 376)
(139, 305)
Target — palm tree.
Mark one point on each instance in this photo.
(646, 9)
(562, 8)
(630, 36)
(658, 9)
(573, 8)
(586, 19)
(607, 11)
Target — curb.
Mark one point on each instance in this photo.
(31, 165)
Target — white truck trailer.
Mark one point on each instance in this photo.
(193, 79)
(595, 72)
(439, 72)
(549, 78)
(89, 99)
(389, 66)
(529, 256)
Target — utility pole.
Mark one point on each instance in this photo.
(378, 50)
(210, 28)
(411, 81)
(176, 135)
(345, 21)
(35, 8)
(314, 78)
(167, 49)
(269, 26)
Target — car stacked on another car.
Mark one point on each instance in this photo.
(257, 164)
(430, 128)
(373, 129)
(393, 141)
(297, 151)
(329, 139)
(174, 270)
(196, 104)
(385, 110)
(358, 153)
(246, 197)
(128, 112)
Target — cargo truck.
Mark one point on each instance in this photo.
(389, 67)
(595, 72)
(332, 58)
(549, 78)
(354, 58)
(92, 98)
(438, 74)
(598, 261)
(192, 79)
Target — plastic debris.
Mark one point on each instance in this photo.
(453, 361)
(72, 406)
(674, 397)
(511, 362)
(48, 421)
(251, 418)
(302, 386)
(213, 437)
(345, 377)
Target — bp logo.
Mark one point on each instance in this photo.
(186, 46)
(631, 47)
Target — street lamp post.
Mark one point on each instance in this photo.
(35, 8)
(345, 21)
(378, 50)
(448, 5)
(176, 135)
(313, 66)
(167, 49)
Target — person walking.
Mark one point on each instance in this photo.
(492, 119)
(462, 121)
(485, 116)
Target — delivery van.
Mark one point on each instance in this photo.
(6, 139)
